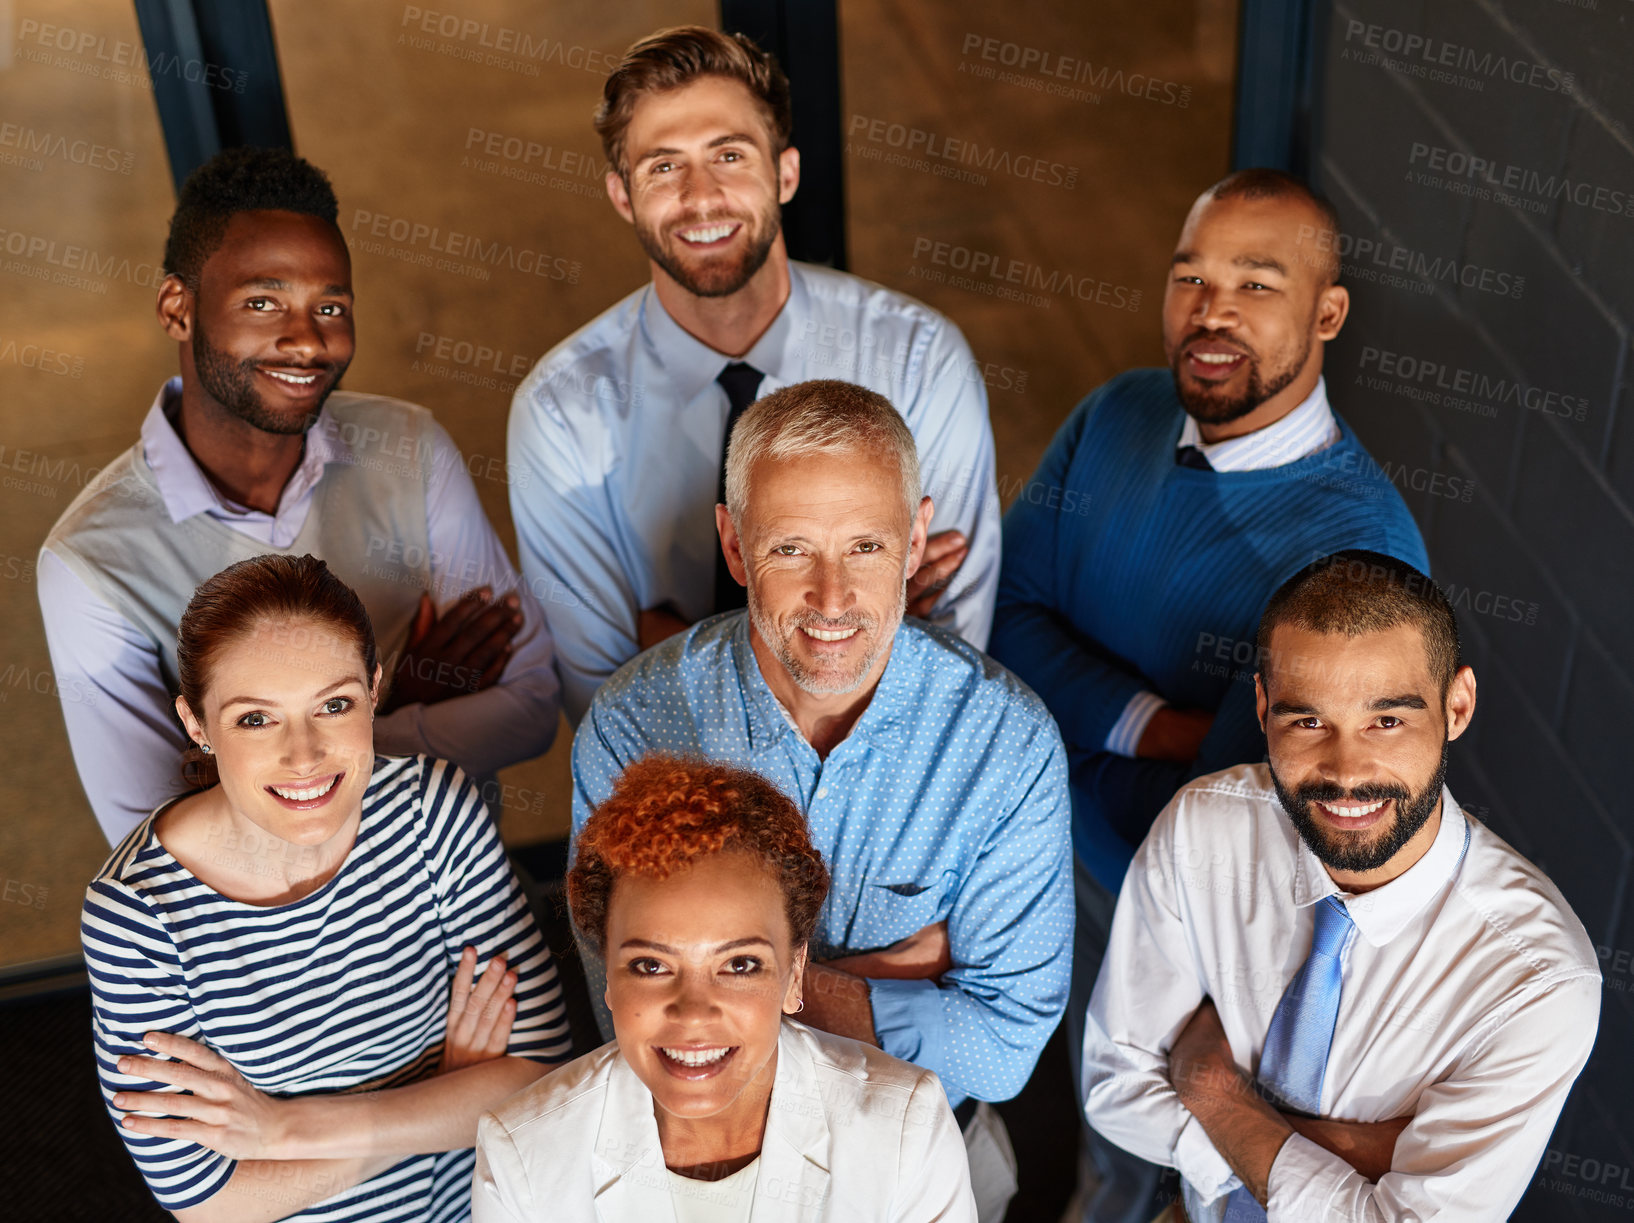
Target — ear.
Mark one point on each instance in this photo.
(619, 192)
(795, 993)
(1262, 703)
(1332, 308)
(175, 305)
(919, 533)
(1460, 702)
(190, 723)
(731, 545)
(374, 689)
(788, 174)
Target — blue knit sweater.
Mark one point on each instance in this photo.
(1124, 571)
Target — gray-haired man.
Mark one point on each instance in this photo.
(933, 779)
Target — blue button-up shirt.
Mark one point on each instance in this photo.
(619, 429)
(947, 802)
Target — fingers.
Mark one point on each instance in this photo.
(944, 554)
(943, 545)
(488, 629)
(476, 1011)
(425, 616)
(454, 619)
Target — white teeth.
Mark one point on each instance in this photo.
(301, 796)
(830, 636)
(697, 1057)
(1353, 812)
(296, 379)
(1216, 358)
(713, 233)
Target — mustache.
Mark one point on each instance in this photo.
(1332, 792)
(1213, 338)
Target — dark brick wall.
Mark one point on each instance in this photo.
(1480, 155)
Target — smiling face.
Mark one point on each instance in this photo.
(288, 717)
(701, 969)
(1246, 310)
(704, 186)
(1357, 732)
(826, 545)
(269, 332)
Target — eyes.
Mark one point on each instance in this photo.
(334, 707)
(1248, 286)
(866, 547)
(1385, 721)
(664, 165)
(268, 305)
(737, 966)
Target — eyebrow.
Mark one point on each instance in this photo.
(1262, 263)
(261, 700)
(1409, 700)
(1283, 709)
(649, 945)
(272, 282)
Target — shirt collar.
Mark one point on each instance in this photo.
(185, 488)
(881, 721)
(1308, 428)
(691, 365)
(1383, 913)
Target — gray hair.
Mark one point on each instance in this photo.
(825, 416)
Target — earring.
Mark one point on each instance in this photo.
(205, 748)
(801, 1007)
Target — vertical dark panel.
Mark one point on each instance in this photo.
(1278, 92)
(214, 68)
(804, 36)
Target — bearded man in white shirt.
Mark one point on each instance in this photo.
(1330, 993)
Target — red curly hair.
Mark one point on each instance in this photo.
(665, 812)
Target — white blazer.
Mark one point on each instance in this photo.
(852, 1134)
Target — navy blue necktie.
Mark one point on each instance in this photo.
(1295, 1058)
(1191, 456)
(741, 382)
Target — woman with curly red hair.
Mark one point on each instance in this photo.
(699, 884)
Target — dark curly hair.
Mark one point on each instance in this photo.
(240, 180)
(665, 812)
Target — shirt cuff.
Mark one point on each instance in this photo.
(1304, 1179)
(1197, 1159)
(1124, 737)
(912, 1025)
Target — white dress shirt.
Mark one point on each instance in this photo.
(851, 1133)
(619, 430)
(1470, 1001)
(1308, 428)
(122, 725)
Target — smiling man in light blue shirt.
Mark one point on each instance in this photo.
(934, 780)
(621, 426)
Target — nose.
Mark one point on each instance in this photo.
(692, 1001)
(1213, 311)
(1348, 763)
(303, 747)
(301, 338)
(699, 187)
(831, 594)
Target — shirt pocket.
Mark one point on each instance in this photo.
(889, 912)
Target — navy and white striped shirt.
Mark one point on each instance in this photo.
(345, 989)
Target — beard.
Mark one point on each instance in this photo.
(718, 276)
(827, 681)
(1361, 851)
(232, 384)
(1209, 406)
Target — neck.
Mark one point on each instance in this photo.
(710, 1148)
(1358, 882)
(731, 324)
(248, 465)
(1273, 409)
(824, 720)
(241, 860)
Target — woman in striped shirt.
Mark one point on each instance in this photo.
(323, 961)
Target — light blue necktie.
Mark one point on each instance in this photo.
(1295, 1056)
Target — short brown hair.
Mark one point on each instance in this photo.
(1357, 591)
(233, 602)
(678, 56)
(665, 812)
